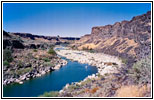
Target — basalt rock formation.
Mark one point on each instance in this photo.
(126, 39)
(11, 42)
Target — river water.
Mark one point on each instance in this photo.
(53, 81)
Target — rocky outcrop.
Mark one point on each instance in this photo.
(11, 42)
(126, 39)
(5, 34)
(17, 44)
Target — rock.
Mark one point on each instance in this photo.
(27, 78)
(27, 65)
(22, 77)
(61, 91)
(57, 67)
(20, 82)
(17, 44)
(38, 75)
(66, 86)
(6, 34)
(17, 80)
(126, 36)
(108, 69)
(43, 72)
(6, 43)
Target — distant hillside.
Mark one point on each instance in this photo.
(31, 36)
(27, 40)
(126, 39)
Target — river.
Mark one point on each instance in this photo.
(53, 81)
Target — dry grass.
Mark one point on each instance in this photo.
(128, 43)
(109, 42)
(91, 90)
(131, 91)
(86, 90)
(94, 90)
(88, 46)
(42, 40)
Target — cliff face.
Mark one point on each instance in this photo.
(127, 39)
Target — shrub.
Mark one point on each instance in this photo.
(50, 94)
(46, 59)
(91, 50)
(35, 50)
(124, 60)
(49, 64)
(86, 82)
(72, 87)
(20, 64)
(84, 48)
(141, 71)
(74, 47)
(51, 51)
(6, 63)
(29, 55)
(7, 55)
(11, 72)
(23, 71)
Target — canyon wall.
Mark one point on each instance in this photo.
(126, 39)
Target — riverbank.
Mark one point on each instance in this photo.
(114, 78)
(107, 66)
(30, 63)
(104, 63)
(52, 81)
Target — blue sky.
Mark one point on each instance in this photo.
(66, 19)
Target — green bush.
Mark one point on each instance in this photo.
(35, 50)
(49, 64)
(73, 86)
(86, 82)
(20, 64)
(46, 59)
(29, 55)
(7, 55)
(50, 94)
(51, 51)
(23, 71)
(124, 60)
(6, 63)
(141, 71)
(91, 51)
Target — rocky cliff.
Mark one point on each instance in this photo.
(126, 39)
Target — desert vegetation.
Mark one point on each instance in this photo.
(50, 94)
